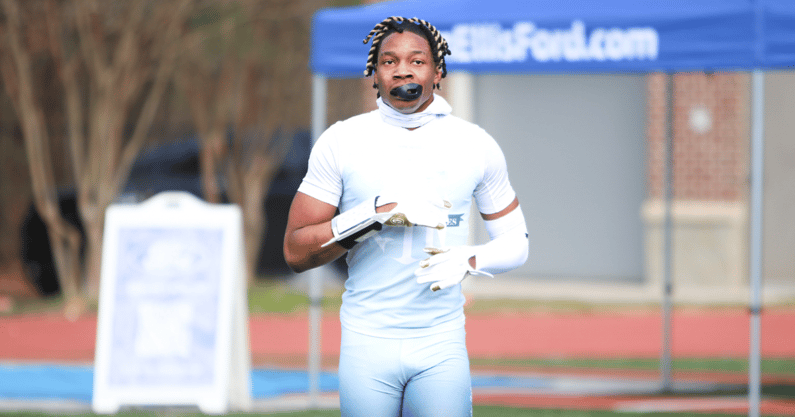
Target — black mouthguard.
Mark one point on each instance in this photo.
(407, 92)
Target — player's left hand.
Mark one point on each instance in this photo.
(418, 208)
(447, 267)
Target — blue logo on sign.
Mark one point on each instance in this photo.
(453, 220)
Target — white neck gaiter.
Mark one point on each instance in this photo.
(437, 109)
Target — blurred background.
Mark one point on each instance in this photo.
(203, 96)
(113, 102)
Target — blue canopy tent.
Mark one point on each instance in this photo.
(588, 36)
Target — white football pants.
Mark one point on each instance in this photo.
(413, 377)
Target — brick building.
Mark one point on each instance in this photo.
(710, 210)
(710, 167)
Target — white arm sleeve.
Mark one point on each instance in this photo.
(508, 248)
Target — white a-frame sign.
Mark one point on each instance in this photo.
(172, 327)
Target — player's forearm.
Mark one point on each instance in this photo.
(508, 248)
(502, 254)
(309, 247)
(303, 251)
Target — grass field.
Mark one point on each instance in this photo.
(278, 296)
(769, 366)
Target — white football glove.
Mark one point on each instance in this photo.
(447, 267)
(362, 221)
(415, 209)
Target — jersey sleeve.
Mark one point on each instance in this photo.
(323, 179)
(494, 193)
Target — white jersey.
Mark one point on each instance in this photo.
(354, 160)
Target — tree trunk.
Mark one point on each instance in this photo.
(64, 238)
(65, 244)
(254, 222)
(94, 229)
(209, 174)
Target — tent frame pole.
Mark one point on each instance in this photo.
(319, 98)
(757, 200)
(666, 384)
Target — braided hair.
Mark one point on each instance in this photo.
(438, 44)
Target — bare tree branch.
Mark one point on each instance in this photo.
(247, 96)
(90, 46)
(168, 63)
(67, 68)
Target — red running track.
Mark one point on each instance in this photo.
(695, 333)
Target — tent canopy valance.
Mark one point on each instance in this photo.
(578, 36)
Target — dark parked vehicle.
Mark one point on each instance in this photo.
(168, 167)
